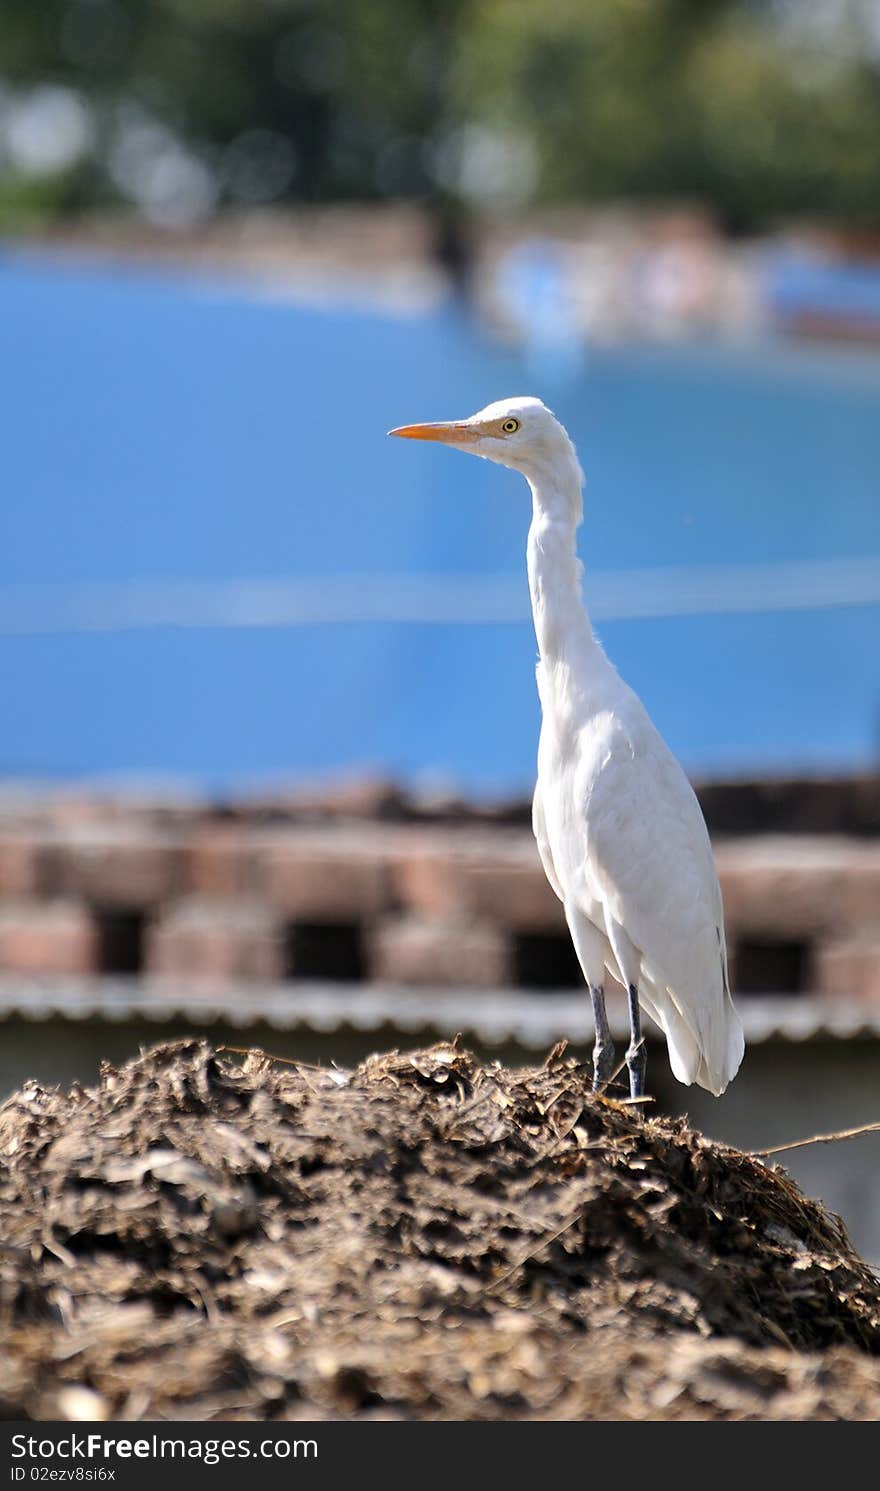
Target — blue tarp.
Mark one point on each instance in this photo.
(157, 429)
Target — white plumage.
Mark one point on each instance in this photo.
(619, 830)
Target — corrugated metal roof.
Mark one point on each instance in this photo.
(534, 1019)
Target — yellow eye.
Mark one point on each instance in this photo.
(510, 426)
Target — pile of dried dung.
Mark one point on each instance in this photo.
(216, 1234)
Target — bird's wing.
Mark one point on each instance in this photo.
(650, 858)
(539, 828)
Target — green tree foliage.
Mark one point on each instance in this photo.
(659, 98)
(762, 109)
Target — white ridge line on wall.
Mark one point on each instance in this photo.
(444, 600)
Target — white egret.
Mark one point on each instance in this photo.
(620, 833)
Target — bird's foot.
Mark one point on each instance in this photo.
(603, 1064)
(636, 1065)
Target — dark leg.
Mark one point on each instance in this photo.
(603, 1051)
(636, 1059)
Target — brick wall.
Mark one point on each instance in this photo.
(361, 888)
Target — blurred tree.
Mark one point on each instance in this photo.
(757, 108)
(718, 100)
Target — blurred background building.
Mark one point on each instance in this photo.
(269, 721)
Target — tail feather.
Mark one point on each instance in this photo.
(726, 1060)
(710, 1057)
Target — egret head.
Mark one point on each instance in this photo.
(520, 433)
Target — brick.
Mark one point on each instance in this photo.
(115, 866)
(849, 967)
(326, 876)
(215, 943)
(38, 937)
(518, 896)
(497, 876)
(798, 887)
(220, 861)
(409, 950)
(19, 864)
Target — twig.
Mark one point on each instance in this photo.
(601, 1091)
(865, 1128)
(543, 1242)
(258, 1051)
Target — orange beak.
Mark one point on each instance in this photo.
(458, 432)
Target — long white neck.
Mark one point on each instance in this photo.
(562, 626)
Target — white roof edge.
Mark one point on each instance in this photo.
(534, 1019)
